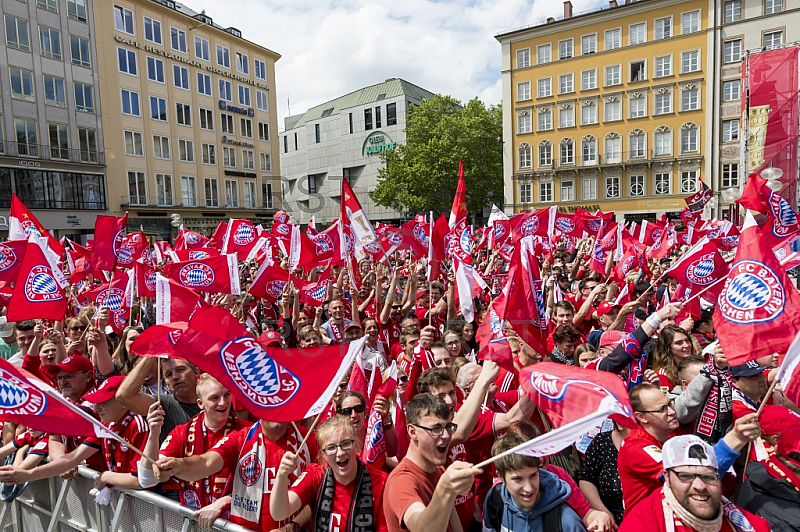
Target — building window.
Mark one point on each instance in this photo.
(589, 44)
(689, 182)
(152, 30)
(567, 191)
(262, 101)
(589, 189)
(203, 84)
(17, 35)
(76, 9)
(123, 19)
(22, 87)
(613, 39)
(378, 117)
(229, 156)
(637, 107)
(260, 69)
(637, 145)
(613, 111)
(225, 90)
(248, 160)
(295, 141)
(27, 137)
(730, 90)
(663, 28)
(773, 39)
(185, 151)
(544, 88)
(690, 100)
(137, 193)
(523, 91)
(180, 76)
(566, 83)
(662, 184)
(589, 152)
(177, 39)
(566, 152)
(524, 123)
(246, 127)
(565, 49)
(663, 66)
(158, 108)
(263, 131)
(227, 123)
(209, 153)
(690, 22)
(689, 141)
(613, 75)
(206, 119)
(773, 6)
(637, 33)
(589, 79)
(87, 145)
(50, 42)
(59, 141)
(155, 69)
(545, 154)
(161, 147)
(663, 103)
(212, 192)
(367, 119)
(249, 194)
(201, 48)
(730, 175)
(525, 155)
(126, 60)
(244, 95)
(546, 192)
(733, 50)
(84, 97)
(613, 151)
(524, 58)
(543, 54)
(690, 61)
(188, 191)
(526, 193)
(733, 11)
(223, 56)
(566, 117)
(183, 113)
(636, 185)
(312, 184)
(80, 51)
(391, 111)
(638, 71)
(133, 143)
(242, 63)
(266, 195)
(588, 114)
(266, 162)
(612, 187)
(545, 122)
(164, 190)
(730, 130)
(130, 103)
(663, 142)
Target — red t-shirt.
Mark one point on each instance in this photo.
(33, 364)
(119, 457)
(437, 321)
(640, 467)
(409, 484)
(390, 332)
(506, 381)
(308, 485)
(38, 445)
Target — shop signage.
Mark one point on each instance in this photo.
(590, 208)
(226, 140)
(73, 221)
(241, 110)
(234, 173)
(377, 142)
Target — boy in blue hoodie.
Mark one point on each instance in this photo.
(529, 498)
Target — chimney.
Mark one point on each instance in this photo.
(612, 3)
(567, 9)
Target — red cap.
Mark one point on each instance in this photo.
(351, 325)
(605, 307)
(107, 390)
(72, 364)
(777, 420)
(422, 292)
(790, 443)
(270, 339)
(611, 339)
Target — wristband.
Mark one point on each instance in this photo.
(388, 425)
(654, 320)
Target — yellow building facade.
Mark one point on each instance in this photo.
(607, 110)
(189, 117)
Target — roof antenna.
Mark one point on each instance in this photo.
(288, 106)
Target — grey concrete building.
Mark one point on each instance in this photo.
(343, 137)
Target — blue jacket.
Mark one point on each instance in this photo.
(554, 492)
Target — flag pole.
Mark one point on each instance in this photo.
(698, 294)
(311, 429)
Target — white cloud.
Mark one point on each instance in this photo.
(332, 47)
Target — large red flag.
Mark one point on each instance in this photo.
(539, 223)
(175, 302)
(239, 238)
(279, 384)
(159, 340)
(11, 254)
(187, 239)
(700, 267)
(109, 231)
(758, 310)
(39, 288)
(135, 246)
(112, 296)
(269, 282)
(215, 274)
(22, 222)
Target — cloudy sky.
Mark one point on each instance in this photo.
(332, 47)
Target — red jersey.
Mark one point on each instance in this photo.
(309, 483)
(390, 332)
(437, 321)
(119, 457)
(640, 467)
(38, 444)
(34, 366)
(506, 381)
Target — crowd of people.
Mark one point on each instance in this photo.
(700, 457)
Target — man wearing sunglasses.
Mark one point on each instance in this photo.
(691, 498)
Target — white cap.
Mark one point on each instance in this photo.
(688, 451)
(6, 328)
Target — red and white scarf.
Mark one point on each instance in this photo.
(679, 519)
(202, 492)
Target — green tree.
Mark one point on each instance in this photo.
(422, 174)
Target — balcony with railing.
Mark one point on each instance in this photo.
(51, 153)
(163, 201)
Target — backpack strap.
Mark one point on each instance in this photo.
(495, 508)
(551, 519)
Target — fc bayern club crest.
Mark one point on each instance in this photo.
(19, 398)
(394, 238)
(244, 235)
(780, 254)
(265, 382)
(700, 271)
(657, 235)
(499, 232)
(191, 238)
(322, 243)
(150, 276)
(30, 228)
(283, 229)
(594, 225)
(114, 298)
(196, 275)
(199, 255)
(125, 255)
(754, 294)
(7, 257)
(564, 224)
(118, 238)
(250, 469)
(40, 285)
(530, 226)
(373, 246)
(274, 289)
(191, 500)
(627, 264)
(421, 235)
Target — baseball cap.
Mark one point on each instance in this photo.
(6, 327)
(422, 292)
(351, 325)
(605, 307)
(682, 451)
(107, 390)
(561, 277)
(748, 369)
(71, 364)
(270, 338)
(611, 339)
(790, 443)
(776, 419)
(641, 314)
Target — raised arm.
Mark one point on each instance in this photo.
(129, 392)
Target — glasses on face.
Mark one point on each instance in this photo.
(402, 379)
(358, 409)
(344, 445)
(663, 410)
(76, 328)
(69, 376)
(397, 307)
(454, 342)
(688, 478)
(438, 430)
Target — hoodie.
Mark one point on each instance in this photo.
(554, 492)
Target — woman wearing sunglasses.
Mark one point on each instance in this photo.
(353, 406)
(343, 493)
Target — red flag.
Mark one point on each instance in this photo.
(567, 225)
(269, 282)
(301, 250)
(755, 195)
(782, 222)
(440, 241)
(175, 302)
(758, 310)
(145, 279)
(182, 255)
(279, 384)
(354, 217)
(700, 267)
(109, 231)
(568, 393)
(218, 237)
(134, 247)
(11, 254)
(697, 201)
(540, 223)
(375, 442)
(789, 372)
(494, 344)
(188, 239)
(281, 216)
(311, 293)
(215, 274)
(112, 296)
(159, 340)
(160, 249)
(22, 222)
(38, 290)
(239, 238)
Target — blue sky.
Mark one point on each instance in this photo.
(332, 47)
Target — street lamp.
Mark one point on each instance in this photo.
(773, 175)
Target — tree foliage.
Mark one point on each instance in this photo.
(422, 175)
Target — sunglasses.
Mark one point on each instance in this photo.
(358, 409)
(402, 379)
(78, 328)
(397, 307)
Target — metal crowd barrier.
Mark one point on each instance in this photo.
(68, 506)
